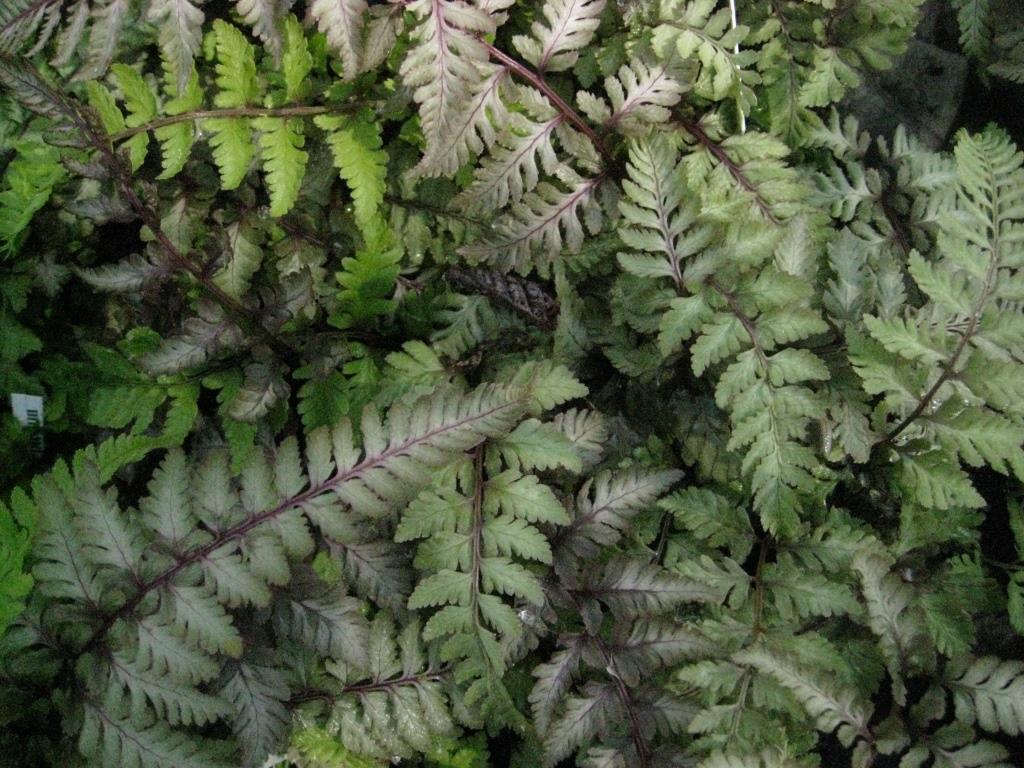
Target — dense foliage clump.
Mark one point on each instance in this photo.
(488, 383)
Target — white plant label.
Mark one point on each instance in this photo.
(28, 410)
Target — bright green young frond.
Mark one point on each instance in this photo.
(236, 67)
(16, 524)
(176, 140)
(29, 180)
(284, 161)
(356, 145)
(660, 219)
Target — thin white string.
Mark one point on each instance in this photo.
(736, 50)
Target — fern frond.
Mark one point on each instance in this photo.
(176, 140)
(343, 21)
(444, 65)
(537, 445)
(107, 24)
(19, 21)
(232, 545)
(29, 180)
(990, 692)
(513, 167)
(830, 707)
(712, 518)
(977, 250)
(325, 620)
(231, 138)
(748, 167)
(893, 617)
(580, 720)
(258, 697)
(569, 27)
(769, 421)
(265, 17)
(35, 93)
(587, 431)
(202, 336)
(367, 283)
(71, 36)
(399, 708)
(471, 129)
(655, 644)
(975, 22)
(62, 568)
(243, 257)
(111, 737)
(632, 588)
(656, 214)
(543, 224)
(284, 161)
(467, 321)
(608, 502)
(180, 34)
(641, 95)
(376, 568)
(697, 30)
(954, 746)
(481, 528)
(176, 702)
(554, 680)
(356, 146)
(17, 523)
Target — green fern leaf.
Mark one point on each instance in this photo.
(356, 145)
(296, 60)
(176, 140)
(110, 737)
(258, 696)
(284, 161)
(538, 445)
(17, 522)
(231, 138)
(696, 30)
(29, 180)
(236, 67)
(367, 283)
(975, 22)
